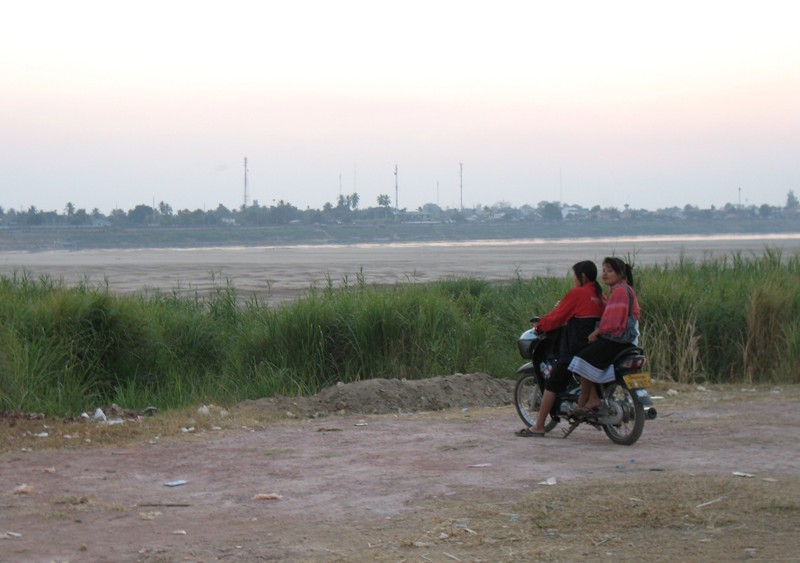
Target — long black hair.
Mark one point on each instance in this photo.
(623, 270)
(589, 269)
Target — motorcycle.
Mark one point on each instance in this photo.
(625, 401)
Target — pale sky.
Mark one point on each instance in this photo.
(111, 104)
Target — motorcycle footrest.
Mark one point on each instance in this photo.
(573, 426)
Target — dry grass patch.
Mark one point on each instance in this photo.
(676, 516)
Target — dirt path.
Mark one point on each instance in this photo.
(450, 485)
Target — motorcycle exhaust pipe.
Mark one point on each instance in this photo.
(650, 413)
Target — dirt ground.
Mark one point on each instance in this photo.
(388, 470)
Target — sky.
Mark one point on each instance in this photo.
(110, 105)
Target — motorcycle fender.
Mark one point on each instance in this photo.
(527, 368)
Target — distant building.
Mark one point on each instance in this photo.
(572, 212)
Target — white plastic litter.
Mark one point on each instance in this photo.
(176, 483)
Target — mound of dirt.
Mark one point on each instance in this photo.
(384, 396)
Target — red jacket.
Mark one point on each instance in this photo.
(579, 301)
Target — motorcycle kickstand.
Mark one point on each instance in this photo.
(572, 426)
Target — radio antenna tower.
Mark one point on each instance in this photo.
(461, 183)
(246, 196)
(396, 198)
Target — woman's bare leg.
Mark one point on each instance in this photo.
(548, 399)
(593, 399)
(586, 386)
(589, 398)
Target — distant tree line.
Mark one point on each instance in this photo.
(347, 210)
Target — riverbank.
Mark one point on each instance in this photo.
(278, 273)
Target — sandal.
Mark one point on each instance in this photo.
(583, 411)
(528, 433)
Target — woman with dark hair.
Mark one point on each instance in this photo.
(618, 329)
(578, 313)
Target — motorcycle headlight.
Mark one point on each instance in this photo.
(526, 343)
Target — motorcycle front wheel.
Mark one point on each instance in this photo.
(626, 414)
(528, 399)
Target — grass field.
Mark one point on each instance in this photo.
(64, 347)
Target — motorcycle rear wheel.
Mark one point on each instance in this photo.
(528, 399)
(629, 414)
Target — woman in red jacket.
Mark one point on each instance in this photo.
(578, 313)
(618, 329)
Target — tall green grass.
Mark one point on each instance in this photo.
(729, 319)
(64, 349)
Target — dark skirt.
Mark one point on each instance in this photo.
(593, 362)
